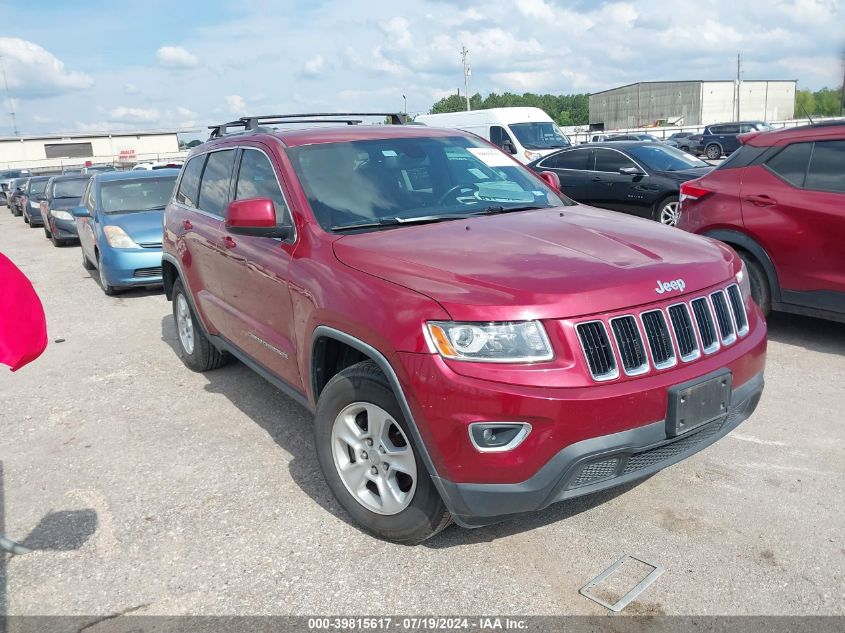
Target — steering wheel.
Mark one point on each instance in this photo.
(455, 190)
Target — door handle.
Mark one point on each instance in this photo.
(761, 200)
(596, 179)
(228, 242)
(186, 224)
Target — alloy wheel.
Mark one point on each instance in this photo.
(670, 213)
(185, 324)
(374, 458)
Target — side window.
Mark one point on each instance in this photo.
(216, 177)
(257, 179)
(791, 163)
(190, 184)
(573, 159)
(730, 129)
(612, 161)
(827, 167)
(498, 136)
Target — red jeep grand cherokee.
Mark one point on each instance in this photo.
(780, 202)
(473, 343)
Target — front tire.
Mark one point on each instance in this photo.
(58, 243)
(370, 461)
(86, 264)
(108, 289)
(197, 352)
(760, 290)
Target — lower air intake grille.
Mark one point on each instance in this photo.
(597, 349)
(684, 332)
(634, 359)
(738, 309)
(723, 317)
(595, 471)
(659, 340)
(143, 273)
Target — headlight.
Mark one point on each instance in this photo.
(61, 215)
(117, 237)
(506, 342)
(743, 282)
(34, 204)
(532, 156)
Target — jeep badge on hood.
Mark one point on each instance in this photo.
(666, 286)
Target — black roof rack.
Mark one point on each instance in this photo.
(250, 123)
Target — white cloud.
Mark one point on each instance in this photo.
(314, 66)
(37, 118)
(398, 33)
(134, 115)
(130, 89)
(236, 104)
(24, 60)
(176, 57)
(535, 9)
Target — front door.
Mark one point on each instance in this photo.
(618, 191)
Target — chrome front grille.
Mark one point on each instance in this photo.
(659, 338)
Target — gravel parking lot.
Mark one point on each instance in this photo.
(143, 486)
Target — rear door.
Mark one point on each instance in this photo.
(258, 298)
(614, 190)
(794, 206)
(201, 202)
(573, 168)
(85, 226)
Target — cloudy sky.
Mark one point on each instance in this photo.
(189, 63)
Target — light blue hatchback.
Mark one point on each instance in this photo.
(120, 226)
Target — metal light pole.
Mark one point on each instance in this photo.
(405, 100)
(738, 83)
(464, 53)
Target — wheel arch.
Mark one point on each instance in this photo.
(743, 242)
(325, 333)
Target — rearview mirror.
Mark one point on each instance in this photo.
(80, 212)
(631, 171)
(552, 179)
(256, 216)
(508, 146)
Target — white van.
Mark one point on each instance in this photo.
(527, 133)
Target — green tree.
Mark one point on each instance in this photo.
(564, 109)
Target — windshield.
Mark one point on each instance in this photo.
(665, 158)
(37, 187)
(413, 178)
(126, 196)
(539, 135)
(69, 188)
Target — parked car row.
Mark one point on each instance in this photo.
(116, 216)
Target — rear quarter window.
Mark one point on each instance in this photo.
(791, 163)
(190, 184)
(826, 171)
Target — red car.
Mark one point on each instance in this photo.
(779, 201)
(473, 343)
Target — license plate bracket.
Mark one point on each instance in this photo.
(695, 403)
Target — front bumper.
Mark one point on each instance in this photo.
(132, 267)
(595, 464)
(64, 229)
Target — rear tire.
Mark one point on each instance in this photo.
(197, 352)
(370, 460)
(667, 211)
(760, 290)
(713, 152)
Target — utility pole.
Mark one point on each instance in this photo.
(8, 97)
(842, 89)
(405, 99)
(467, 72)
(738, 84)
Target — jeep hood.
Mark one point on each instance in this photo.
(549, 263)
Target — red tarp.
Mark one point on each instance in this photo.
(23, 328)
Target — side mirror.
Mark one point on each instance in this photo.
(508, 146)
(80, 212)
(551, 179)
(631, 171)
(256, 216)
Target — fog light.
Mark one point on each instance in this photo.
(498, 436)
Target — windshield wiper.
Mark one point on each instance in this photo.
(494, 210)
(383, 222)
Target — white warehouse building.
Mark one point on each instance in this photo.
(691, 103)
(53, 151)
